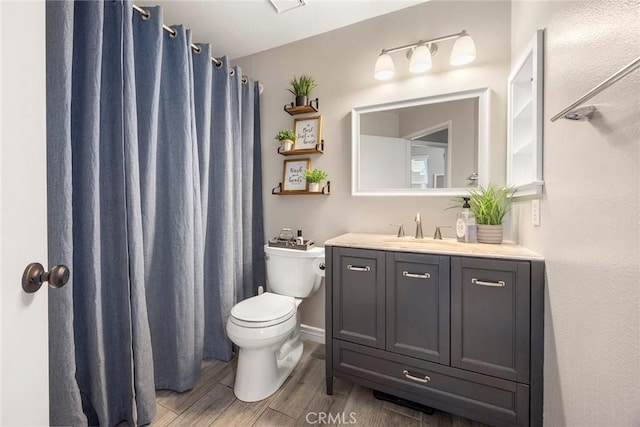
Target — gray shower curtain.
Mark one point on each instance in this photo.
(155, 204)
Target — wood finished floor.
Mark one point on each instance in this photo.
(212, 402)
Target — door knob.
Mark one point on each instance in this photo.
(34, 276)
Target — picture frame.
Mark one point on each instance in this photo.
(293, 180)
(308, 132)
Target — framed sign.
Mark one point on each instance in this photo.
(308, 134)
(293, 175)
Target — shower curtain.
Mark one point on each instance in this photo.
(154, 203)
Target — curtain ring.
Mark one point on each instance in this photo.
(244, 80)
(173, 33)
(146, 15)
(218, 64)
(197, 49)
(232, 72)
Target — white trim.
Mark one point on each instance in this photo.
(312, 333)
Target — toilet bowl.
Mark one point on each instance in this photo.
(264, 362)
(266, 328)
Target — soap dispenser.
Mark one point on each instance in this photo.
(466, 224)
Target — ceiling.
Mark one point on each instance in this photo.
(238, 28)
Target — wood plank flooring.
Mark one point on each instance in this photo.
(300, 401)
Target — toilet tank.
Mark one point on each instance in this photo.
(293, 272)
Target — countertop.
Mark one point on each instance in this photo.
(443, 247)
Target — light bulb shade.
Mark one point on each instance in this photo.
(384, 67)
(420, 59)
(464, 51)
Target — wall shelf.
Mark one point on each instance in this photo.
(524, 133)
(303, 109)
(319, 149)
(324, 191)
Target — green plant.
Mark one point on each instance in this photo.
(302, 86)
(314, 175)
(286, 134)
(490, 204)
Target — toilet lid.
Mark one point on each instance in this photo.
(266, 307)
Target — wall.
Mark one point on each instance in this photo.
(342, 62)
(590, 226)
(384, 162)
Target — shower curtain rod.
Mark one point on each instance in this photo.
(145, 14)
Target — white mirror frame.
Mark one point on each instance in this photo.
(483, 95)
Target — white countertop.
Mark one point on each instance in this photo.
(387, 242)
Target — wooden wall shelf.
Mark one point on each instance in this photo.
(303, 109)
(325, 191)
(319, 149)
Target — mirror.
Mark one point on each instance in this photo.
(437, 145)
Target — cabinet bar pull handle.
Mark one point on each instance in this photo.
(424, 380)
(416, 276)
(498, 284)
(355, 268)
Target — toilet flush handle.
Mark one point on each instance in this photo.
(319, 266)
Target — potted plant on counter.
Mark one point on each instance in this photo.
(286, 137)
(314, 177)
(301, 88)
(490, 205)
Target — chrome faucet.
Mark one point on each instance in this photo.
(438, 235)
(400, 229)
(418, 227)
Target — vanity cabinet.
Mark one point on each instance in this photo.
(458, 333)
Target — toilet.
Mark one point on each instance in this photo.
(266, 328)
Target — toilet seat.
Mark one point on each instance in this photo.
(263, 310)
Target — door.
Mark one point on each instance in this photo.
(24, 368)
(490, 321)
(358, 296)
(418, 306)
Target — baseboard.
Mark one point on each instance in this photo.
(312, 333)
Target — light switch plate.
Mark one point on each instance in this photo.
(535, 212)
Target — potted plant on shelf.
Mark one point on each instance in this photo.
(301, 88)
(314, 177)
(490, 205)
(286, 137)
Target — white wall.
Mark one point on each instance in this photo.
(384, 162)
(342, 62)
(590, 223)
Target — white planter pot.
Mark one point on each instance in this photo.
(489, 233)
(286, 145)
(314, 187)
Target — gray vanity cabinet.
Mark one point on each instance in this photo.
(463, 334)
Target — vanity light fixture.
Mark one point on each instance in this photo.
(420, 53)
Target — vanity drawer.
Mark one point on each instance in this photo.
(493, 400)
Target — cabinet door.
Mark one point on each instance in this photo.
(490, 317)
(358, 296)
(418, 306)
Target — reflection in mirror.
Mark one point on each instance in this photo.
(434, 145)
